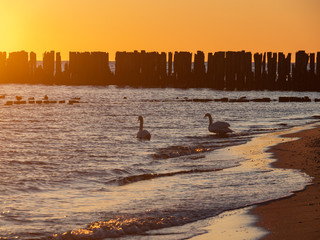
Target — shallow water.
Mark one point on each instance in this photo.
(68, 167)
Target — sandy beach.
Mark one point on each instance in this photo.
(298, 216)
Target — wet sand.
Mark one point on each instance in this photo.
(298, 216)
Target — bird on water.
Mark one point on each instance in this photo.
(219, 127)
(143, 134)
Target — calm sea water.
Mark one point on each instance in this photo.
(75, 171)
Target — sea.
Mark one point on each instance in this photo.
(77, 171)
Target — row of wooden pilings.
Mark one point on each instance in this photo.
(222, 70)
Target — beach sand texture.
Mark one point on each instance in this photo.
(298, 216)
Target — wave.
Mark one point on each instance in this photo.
(121, 226)
(207, 144)
(177, 151)
(148, 176)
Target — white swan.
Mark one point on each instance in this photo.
(220, 128)
(143, 134)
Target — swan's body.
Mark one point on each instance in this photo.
(220, 128)
(143, 134)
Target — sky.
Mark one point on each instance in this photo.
(163, 26)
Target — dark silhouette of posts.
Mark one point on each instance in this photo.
(257, 71)
(220, 69)
(58, 72)
(146, 71)
(300, 79)
(288, 71)
(3, 66)
(248, 71)
(32, 67)
(210, 72)
(120, 66)
(272, 71)
(284, 78)
(230, 70)
(318, 72)
(161, 68)
(89, 68)
(127, 69)
(169, 64)
(142, 69)
(216, 70)
(18, 67)
(48, 67)
(311, 73)
(182, 69)
(58, 63)
(225, 70)
(240, 70)
(199, 71)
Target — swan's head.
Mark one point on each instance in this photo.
(140, 118)
(207, 115)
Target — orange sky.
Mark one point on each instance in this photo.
(166, 25)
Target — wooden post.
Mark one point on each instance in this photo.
(257, 71)
(248, 71)
(58, 68)
(32, 67)
(318, 72)
(272, 70)
(162, 69)
(182, 69)
(169, 69)
(199, 70)
(300, 82)
(220, 69)
(48, 67)
(18, 67)
(210, 77)
(281, 72)
(288, 72)
(240, 70)
(230, 70)
(264, 73)
(311, 74)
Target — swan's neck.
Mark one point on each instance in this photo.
(141, 124)
(210, 119)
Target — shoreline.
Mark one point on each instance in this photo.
(296, 216)
(245, 223)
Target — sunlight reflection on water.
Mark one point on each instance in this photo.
(61, 164)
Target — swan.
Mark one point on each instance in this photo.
(143, 134)
(220, 128)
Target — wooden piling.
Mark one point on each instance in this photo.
(299, 79)
(169, 68)
(240, 71)
(272, 71)
(3, 66)
(17, 67)
(311, 73)
(230, 70)
(48, 67)
(248, 71)
(199, 70)
(209, 82)
(318, 72)
(182, 69)
(257, 71)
